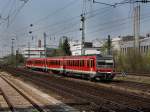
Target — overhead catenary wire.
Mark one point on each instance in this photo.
(97, 25)
(67, 20)
(48, 16)
(113, 27)
(63, 21)
(17, 12)
(41, 28)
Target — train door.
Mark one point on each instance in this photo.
(91, 67)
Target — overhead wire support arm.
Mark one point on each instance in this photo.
(112, 5)
(132, 2)
(143, 1)
(121, 3)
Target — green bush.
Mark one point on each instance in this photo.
(133, 61)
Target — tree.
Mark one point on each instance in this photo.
(14, 60)
(60, 43)
(107, 47)
(66, 47)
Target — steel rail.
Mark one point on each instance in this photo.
(106, 101)
(36, 106)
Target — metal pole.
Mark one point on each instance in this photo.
(28, 49)
(83, 34)
(12, 50)
(136, 27)
(109, 45)
(45, 44)
(12, 47)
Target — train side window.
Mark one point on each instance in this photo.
(67, 62)
(88, 63)
(91, 64)
(80, 63)
(83, 63)
(76, 62)
(73, 63)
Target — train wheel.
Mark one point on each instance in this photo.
(55, 72)
(92, 79)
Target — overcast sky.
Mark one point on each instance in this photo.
(62, 18)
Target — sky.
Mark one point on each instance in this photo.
(59, 18)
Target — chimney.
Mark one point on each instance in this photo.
(39, 43)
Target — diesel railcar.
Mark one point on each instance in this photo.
(92, 67)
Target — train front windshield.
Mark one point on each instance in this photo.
(105, 63)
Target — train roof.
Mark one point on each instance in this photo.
(98, 56)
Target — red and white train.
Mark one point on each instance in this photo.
(92, 67)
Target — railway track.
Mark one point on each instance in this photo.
(17, 100)
(99, 98)
(134, 74)
(3, 104)
(138, 88)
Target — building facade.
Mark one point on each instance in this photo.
(33, 52)
(127, 45)
(75, 47)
